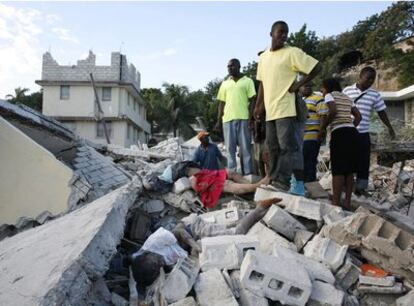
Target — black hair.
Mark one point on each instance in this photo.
(279, 23)
(235, 60)
(369, 70)
(331, 85)
(146, 268)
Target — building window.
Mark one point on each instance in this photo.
(64, 92)
(106, 94)
(100, 133)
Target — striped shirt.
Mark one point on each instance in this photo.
(343, 104)
(371, 100)
(316, 108)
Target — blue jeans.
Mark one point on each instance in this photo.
(310, 156)
(237, 133)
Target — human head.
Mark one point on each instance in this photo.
(306, 89)
(366, 77)
(279, 33)
(203, 137)
(330, 85)
(146, 268)
(233, 67)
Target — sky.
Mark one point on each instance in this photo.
(187, 43)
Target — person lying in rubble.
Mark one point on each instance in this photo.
(164, 248)
(211, 180)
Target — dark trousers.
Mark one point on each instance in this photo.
(364, 158)
(310, 158)
(282, 145)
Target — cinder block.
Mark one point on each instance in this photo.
(245, 296)
(181, 185)
(348, 274)
(296, 205)
(282, 222)
(223, 216)
(225, 252)
(315, 269)
(396, 289)
(387, 281)
(301, 238)
(180, 280)
(325, 295)
(283, 281)
(211, 289)
(327, 251)
(268, 238)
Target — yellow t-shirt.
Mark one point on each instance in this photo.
(277, 70)
(236, 97)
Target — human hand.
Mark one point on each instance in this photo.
(217, 127)
(321, 135)
(258, 112)
(294, 87)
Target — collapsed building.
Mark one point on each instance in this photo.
(74, 212)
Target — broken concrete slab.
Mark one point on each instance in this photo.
(282, 222)
(225, 252)
(327, 251)
(224, 216)
(180, 280)
(315, 269)
(348, 274)
(211, 289)
(181, 185)
(301, 238)
(325, 295)
(396, 289)
(188, 301)
(316, 191)
(387, 281)
(153, 206)
(406, 300)
(283, 281)
(56, 263)
(268, 238)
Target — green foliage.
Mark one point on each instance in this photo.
(34, 100)
(307, 41)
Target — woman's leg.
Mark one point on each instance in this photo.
(338, 182)
(349, 185)
(236, 188)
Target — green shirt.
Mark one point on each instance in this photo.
(236, 97)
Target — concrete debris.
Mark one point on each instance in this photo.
(224, 216)
(406, 300)
(387, 281)
(301, 238)
(326, 295)
(396, 289)
(277, 280)
(153, 206)
(211, 289)
(188, 301)
(327, 251)
(282, 222)
(182, 185)
(245, 296)
(316, 191)
(348, 274)
(225, 252)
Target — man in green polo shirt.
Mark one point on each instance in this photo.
(233, 112)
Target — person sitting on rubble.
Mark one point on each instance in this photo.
(207, 155)
(163, 248)
(343, 151)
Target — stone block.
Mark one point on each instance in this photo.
(211, 289)
(315, 269)
(325, 295)
(223, 216)
(268, 238)
(316, 191)
(301, 238)
(348, 274)
(327, 251)
(153, 206)
(396, 289)
(283, 281)
(188, 301)
(180, 280)
(181, 185)
(387, 281)
(406, 300)
(245, 296)
(282, 222)
(225, 252)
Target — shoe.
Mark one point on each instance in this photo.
(299, 189)
(279, 185)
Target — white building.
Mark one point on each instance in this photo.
(400, 104)
(68, 96)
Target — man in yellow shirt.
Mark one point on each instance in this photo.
(233, 113)
(277, 71)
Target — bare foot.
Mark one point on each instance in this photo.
(268, 202)
(264, 181)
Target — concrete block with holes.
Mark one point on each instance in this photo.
(268, 276)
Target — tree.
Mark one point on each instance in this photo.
(307, 41)
(19, 94)
(34, 100)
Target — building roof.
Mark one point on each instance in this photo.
(403, 94)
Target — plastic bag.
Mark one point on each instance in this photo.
(164, 243)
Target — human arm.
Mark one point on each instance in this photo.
(220, 113)
(259, 108)
(384, 118)
(357, 115)
(326, 120)
(307, 78)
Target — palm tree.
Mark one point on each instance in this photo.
(19, 94)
